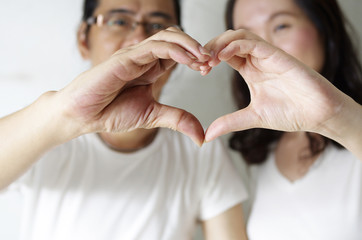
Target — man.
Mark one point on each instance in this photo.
(110, 173)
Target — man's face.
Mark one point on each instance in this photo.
(103, 41)
(125, 23)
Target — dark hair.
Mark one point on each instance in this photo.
(90, 6)
(341, 67)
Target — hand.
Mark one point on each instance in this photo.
(285, 94)
(116, 95)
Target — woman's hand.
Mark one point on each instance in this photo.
(285, 94)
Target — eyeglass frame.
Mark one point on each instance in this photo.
(98, 20)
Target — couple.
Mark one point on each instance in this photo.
(93, 159)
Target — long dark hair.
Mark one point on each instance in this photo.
(341, 67)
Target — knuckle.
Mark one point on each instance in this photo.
(241, 31)
(174, 28)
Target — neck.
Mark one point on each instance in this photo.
(129, 141)
(293, 156)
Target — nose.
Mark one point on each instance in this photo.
(263, 35)
(137, 34)
(261, 32)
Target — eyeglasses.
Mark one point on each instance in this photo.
(122, 24)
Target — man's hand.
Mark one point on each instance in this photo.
(116, 96)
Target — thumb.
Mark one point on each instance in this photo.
(181, 121)
(236, 121)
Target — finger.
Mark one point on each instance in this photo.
(244, 47)
(167, 64)
(176, 36)
(154, 50)
(262, 55)
(179, 120)
(236, 63)
(175, 28)
(237, 121)
(219, 43)
(199, 66)
(206, 71)
(131, 63)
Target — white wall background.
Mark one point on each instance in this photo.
(38, 53)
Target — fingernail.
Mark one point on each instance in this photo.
(204, 51)
(204, 68)
(212, 53)
(204, 73)
(222, 52)
(212, 64)
(191, 56)
(199, 143)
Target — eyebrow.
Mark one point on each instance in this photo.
(272, 17)
(281, 13)
(151, 14)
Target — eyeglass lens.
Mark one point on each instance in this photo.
(123, 24)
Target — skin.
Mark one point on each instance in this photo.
(117, 98)
(114, 96)
(283, 24)
(99, 44)
(286, 94)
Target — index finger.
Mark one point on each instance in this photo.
(183, 40)
(219, 43)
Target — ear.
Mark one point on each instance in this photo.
(82, 39)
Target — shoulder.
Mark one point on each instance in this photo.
(66, 155)
(58, 160)
(339, 156)
(336, 158)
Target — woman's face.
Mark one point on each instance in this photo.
(283, 24)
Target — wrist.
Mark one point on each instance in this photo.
(345, 128)
(52, 120)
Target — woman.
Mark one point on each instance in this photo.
(304, 185)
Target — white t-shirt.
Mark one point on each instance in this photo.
(85, 190)
(326, 204)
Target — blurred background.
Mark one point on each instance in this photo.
(38, 52)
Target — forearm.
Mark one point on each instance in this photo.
(29, 133)
(229, 225)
